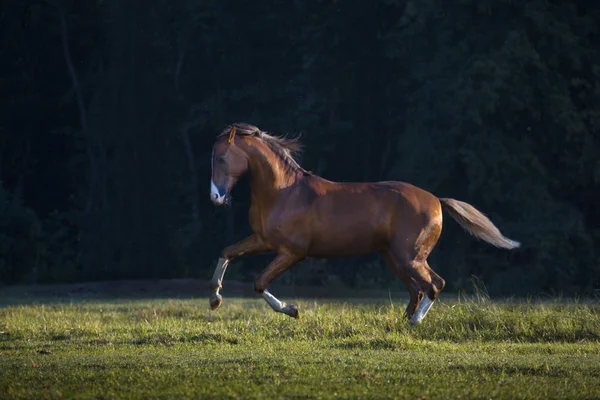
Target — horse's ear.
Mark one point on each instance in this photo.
(231, 135)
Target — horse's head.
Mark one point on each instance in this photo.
(229, 162)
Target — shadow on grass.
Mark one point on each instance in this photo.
(165, 289)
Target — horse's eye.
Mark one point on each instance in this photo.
(221, 160)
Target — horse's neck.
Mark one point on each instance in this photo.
(268, 180)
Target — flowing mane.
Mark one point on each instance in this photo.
(283, 147)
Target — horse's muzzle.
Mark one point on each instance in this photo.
(221, 200)
(219, 196)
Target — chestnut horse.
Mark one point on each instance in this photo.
(297, 214)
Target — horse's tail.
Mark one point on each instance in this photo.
(477, 224)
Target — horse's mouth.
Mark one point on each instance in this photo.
(221, 200)
(216, 197)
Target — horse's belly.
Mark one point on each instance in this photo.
(350, 224)
(335, 250)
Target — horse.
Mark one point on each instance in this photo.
(297, 214)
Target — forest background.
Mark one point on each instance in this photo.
(109, 110)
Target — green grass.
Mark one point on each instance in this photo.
(161, 348)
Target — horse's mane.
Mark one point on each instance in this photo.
(283, 147)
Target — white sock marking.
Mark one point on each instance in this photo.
(217, 278)
(424, 307)
(273, 301)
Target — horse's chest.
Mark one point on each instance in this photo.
(263, 222)
(276, 226)
(256, 220)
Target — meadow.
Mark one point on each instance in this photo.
(104, 347)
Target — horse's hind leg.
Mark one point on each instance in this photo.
(402, 273)
(408, 260)
(423, 284)
(278, 266)
(431, 284)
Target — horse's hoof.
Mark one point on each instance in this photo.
(215, 301)
(293, 311)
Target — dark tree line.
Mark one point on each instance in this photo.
(109, 110)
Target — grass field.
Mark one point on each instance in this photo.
(101, 347)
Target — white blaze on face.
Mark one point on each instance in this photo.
(215, 196)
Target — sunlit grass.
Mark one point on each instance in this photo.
(351, 349)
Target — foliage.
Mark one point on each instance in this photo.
(21, 244)
(61, 257)
(493, 103)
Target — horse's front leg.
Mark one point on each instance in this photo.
(251, 245)
(278, 266)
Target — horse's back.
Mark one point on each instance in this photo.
(354, 218)
(409, 197)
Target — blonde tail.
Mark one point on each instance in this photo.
(477, 224)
